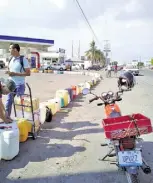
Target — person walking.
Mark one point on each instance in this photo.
(109, 70)
(18, 69)
(115, 70)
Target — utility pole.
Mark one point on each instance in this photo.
(79, 50)
(72, 48)
(107, 50)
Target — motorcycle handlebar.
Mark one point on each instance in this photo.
(117, 98)
(95, 98)
(99, 104)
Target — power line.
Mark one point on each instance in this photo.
(87, 21)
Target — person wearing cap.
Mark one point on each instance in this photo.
(6, 87)
(17, 72)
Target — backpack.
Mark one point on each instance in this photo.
(21, 62)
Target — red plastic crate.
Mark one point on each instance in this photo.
(120, 127)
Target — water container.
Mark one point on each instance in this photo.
(94, 81)
(81, 86)
(26, 101)
(58, 104)
(61, 72)
(62, 102)
(70, 93)
(24, 128)
(45, 71)
(63, 94)
(9, 141)
(42, 108)
(74, 91)
(88, 85)
(78, 90)
(50, 71)
(52, 106)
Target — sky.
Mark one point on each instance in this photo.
(128, 24)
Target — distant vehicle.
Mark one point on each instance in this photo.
(87, 64)
(76, 67)
(2, 64)
(132, 69)
(118, 68)
(57, 66)
(53, 66)
(94, 67)
(46, 65)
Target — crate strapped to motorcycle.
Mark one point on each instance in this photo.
(126, 126)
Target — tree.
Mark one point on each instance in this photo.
(94, 54)
(140, 64)
(114, 63)
(91, 52)
(152, 61)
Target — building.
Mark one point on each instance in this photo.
(30, 47)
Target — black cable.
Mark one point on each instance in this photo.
(87, 20)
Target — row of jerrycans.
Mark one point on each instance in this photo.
(62, 99)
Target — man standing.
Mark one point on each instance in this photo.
(109, 70)
(18, 69)
(115, 70)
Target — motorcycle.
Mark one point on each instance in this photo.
(123, 133)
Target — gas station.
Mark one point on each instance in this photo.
(30, 47)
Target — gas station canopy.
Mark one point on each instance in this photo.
(39, 44)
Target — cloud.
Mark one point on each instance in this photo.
(137, 10)
(61, 4)
(128, 24)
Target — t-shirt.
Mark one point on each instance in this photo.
(0, 90)
(109, 67)
(15, 66)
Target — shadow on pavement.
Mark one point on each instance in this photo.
(147, 153)
(69, 135)
(37, 151)
(43, 148)
(84, 177)
(75, 125)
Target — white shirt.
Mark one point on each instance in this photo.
(109, 67)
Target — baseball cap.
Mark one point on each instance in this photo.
(10, 84)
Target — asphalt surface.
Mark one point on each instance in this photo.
(68, 149)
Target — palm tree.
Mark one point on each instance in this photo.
(95, 54)
(100, 58)
(91, 52)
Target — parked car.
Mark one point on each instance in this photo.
(94, 67)
(75, 67)
(57, 66)
(2, 64)
(46, 66)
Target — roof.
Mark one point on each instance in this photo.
(24, 42)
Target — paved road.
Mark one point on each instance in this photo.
(68, 149)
